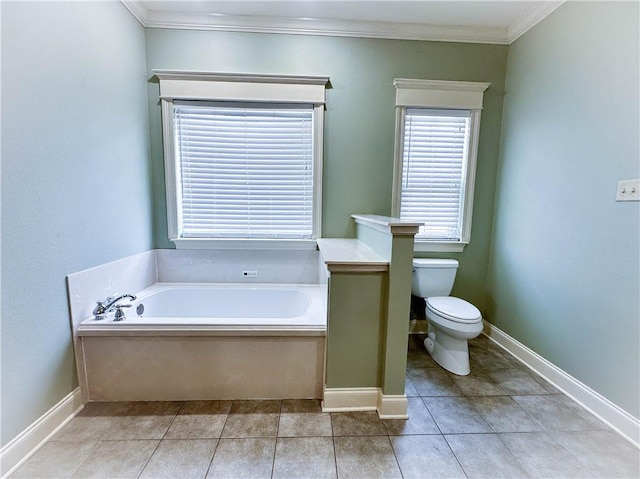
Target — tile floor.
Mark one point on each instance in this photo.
(500, 421)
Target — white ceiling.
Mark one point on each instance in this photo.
(451, 20)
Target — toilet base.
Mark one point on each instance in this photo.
(449, 352)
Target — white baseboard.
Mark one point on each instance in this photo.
(365, 399)
(615, 417)
(16, 452)
(392, 406)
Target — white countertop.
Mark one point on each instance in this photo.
(349, 255)
(388, 224)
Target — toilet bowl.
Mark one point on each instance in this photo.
(451, 321)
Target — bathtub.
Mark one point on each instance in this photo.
(190, 341)
(197, 308)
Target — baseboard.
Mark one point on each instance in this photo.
(392, 406)
(365, 399)
(615, 417)
(16, 452)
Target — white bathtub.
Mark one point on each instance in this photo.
(208, 341)
(197, 308)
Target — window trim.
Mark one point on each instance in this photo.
(205, 86)
(445, 95)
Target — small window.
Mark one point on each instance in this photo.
(243, 160)
(436, 145)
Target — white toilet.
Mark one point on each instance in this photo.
(452, 321)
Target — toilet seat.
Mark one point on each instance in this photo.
(454, 309)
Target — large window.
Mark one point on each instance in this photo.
(436, 146)
(243, 159)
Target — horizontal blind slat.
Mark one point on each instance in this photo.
(245, 172)
(433, 171)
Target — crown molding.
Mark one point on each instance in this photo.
(340, 28)
(137, 9)
(310, 26)
(531, 19)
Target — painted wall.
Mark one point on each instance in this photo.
(75, 180)
(565, 266)
(360, 116)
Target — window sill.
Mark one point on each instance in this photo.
(438, 246)
(247, 244)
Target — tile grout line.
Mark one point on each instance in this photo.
(85, 459)
(159, 440)
(275, 444)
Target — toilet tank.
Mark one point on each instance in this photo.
(433, 277)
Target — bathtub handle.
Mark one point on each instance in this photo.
(119, 316)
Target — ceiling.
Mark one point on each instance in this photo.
(451, 20)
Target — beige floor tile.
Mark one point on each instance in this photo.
(251, 425)
(517, 381)
(243, 458)
(419, 422)
(420, 359)
(199, 419)
(180, 459)
(365, 423)
(485, 456)
(205, 407)
(426, 457)
(301, 405)
(304, 424)
(543, 457)
(116, 459)
(504, 414)
(477, 383)
(409, 389)
(559, 413)
(305, 457)
(154, 408)
(194, 426)
(55, 459)
(604, 453)
(456, 415)
(87, 428)
(116, 408)
(491, 358)
(433, 382)
(138, 427)
(268, 406)
(367, 457)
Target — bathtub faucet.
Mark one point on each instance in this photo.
(108, 305)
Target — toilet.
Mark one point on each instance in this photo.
(451, 321)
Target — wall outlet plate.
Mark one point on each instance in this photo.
(628, 190)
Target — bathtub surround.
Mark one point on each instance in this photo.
(129, 362)
(227, 266)
(367, 317)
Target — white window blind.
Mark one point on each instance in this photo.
(434, 165)
(244, 171)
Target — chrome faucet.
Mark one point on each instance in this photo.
(109, 304)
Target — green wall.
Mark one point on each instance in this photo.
(360, 116)
(564, 268)
(75, 181)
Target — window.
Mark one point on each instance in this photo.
(436, 146)
(242, 159)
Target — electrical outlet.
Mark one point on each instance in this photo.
(628, 190)
(250, 274)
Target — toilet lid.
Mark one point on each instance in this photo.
(455, 309)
